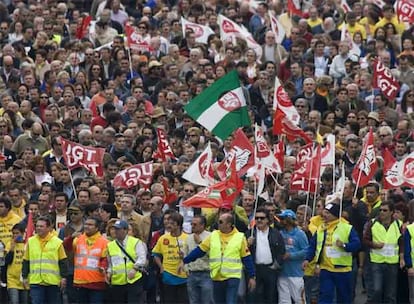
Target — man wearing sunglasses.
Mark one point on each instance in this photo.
(267, 247)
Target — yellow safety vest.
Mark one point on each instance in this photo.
(121, 264)
(44, 264)
(337, 255)
(389, 253)
(410, 229)
(227, 263)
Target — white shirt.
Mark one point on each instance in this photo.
(263, 253)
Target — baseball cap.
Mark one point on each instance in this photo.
(121, 224)
(287, 213)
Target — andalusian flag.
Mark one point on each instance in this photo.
(221, 108)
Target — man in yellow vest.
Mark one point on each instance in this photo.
(127, 257)
(44, 264)
(228, 252)
(90, 262)
(383, 237)
(332, 246)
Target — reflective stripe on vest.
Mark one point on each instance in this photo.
(44, 263)
(121, 264)
(87, 259)
(337, 255)
(389, 253)
(410, 229)
(225, 263)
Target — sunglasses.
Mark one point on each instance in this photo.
(384, 210)
(261, 218)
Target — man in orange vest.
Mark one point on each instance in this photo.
(90, 263)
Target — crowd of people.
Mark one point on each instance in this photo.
(67, 72)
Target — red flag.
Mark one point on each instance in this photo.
(76, 155)
(164, 151)
(366, 166)
(294, 8)
(264, 155)
(30, 227)
(216, 195)
(405, 10)
(2, 156)
(279, 152)
(384, 80)
(83, 27)
(243, 150)
(170, 196)
(398, 173)
(308, 163)
(281, 101)
(282, 125)
(134, 175)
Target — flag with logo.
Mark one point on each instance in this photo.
(139, 174)
(221, 108)
(283, 125)
(277, 28)
(164, 151)
(136, 41)
(328, 151)
(201, 171)
(398, 173)
(279, 152)
(405, 10)
(307, 169)
(264, 154)
(384, 80)
(294, 7)
(282, 102)
(366, 166)
(201, 32)
(230, 30)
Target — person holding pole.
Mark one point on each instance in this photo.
(333, 245)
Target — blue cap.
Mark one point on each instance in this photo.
(288, 213)
(121, 224)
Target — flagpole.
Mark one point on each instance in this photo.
(357, 184)
(309, 183)
(73, 184)
(342, 192)
(130, 64)
(333, 177)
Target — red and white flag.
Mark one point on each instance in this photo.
(243, 151)
(307, 169)
(344, 5)
(328, 151)
(229, 30)
(277, 28)
(83, 26)
(366, 166)
(30, 229)
(214, 196)
(201, 31)
(76, 156)
(379, 3)
(264, 155)
(398, 173)
(384, 80)
(201, 171)
(283, 125)
(346, 36)
(294, 8)
(140, 174)
(136, 41)
(164, 151)
(279, 152)
(282, 102)
(405, 10)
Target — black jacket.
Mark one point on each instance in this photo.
(277, 245)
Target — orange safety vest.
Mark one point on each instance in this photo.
(87, 261)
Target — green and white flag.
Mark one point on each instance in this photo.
(221, 108)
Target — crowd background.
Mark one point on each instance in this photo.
(90, 88)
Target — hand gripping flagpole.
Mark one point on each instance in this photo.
(73, 184)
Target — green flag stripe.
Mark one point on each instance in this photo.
(212, 94)
(231, 122)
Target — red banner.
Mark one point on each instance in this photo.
(164, 151)
(398, 173)
(76, 155)
(138, 174)
(307, 169)
(136, 41)
(283, 125)
(384, 80)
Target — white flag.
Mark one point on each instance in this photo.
(201, 171)
(328, 152)
(264, 155)
(230, 30)
(277, 28)
(345, 6)
(201, 31)
(345, 36)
